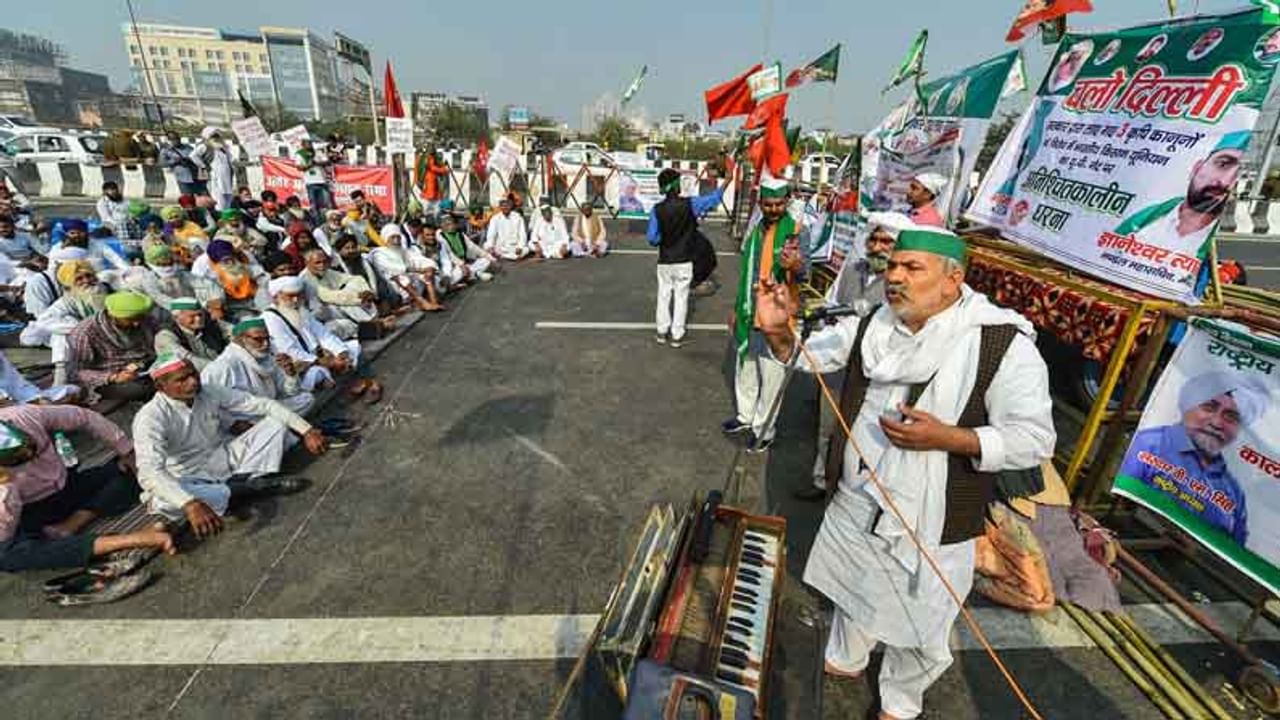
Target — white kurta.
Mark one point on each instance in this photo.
(401, 267)
(221, 179)
(305, 344)
(549, 238)
(861, 568)
(334, 299)
(183, 453)
(507, 236)
(236, 368)
(14, 388)
(41, 291)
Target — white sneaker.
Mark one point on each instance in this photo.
(660, 338)
(485, 276)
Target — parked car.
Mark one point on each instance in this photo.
(55, 146)
(11, 125)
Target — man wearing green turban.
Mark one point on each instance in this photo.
(942, 390)
(108, 354)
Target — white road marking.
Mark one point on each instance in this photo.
(628, 251)
(541, 452)
(301, 641)
(550, 325)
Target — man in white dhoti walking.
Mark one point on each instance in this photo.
(943, 390)
(189, 466)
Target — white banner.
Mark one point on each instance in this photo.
(399, 135)
(253, 137)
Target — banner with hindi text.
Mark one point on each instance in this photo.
(1206, 454)
(1125, 159)
(284, 177)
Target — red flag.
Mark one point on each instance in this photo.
(480, 166)
(731, 98)
(770, 149)
(1038, 11)
(766, 110)
(394, 109)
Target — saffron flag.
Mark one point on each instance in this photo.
(1039, 11)
(731, 98)
(913, 63)
(391, 96)
(634, 87)
(766, 110)
(824, 69)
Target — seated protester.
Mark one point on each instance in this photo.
(108, 354)
(357, 223)
(17, 390)
(271, 222)
(242, 279)
(14, 204)
(44, 507)
(294, 211)
(295, 332)
(21, 247)
(188, 238)
(165, 280)
(351, 261)
(84, 298)
(327, 234)
(477, 222)
(368, 210)
(548, 238)
(107, 262)
(190, 466)
(279, 265)
(41, 290)
(297, 244)
(200, 210)
(589, 234)
(342, 302)
(134, 228)
(453, 273)
(248, 365)
(234, 227)
(412, 274)
(506, 235)
(479, 262)
(191, 336)
(243, 195)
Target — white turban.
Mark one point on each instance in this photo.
(1251, 397)
(67, 253)
(933, 182)
(291, 284)
(891, 222)
(391, 229)
(209, 132)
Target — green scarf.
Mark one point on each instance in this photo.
(456, 244)
(745, 305)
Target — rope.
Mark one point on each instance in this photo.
(893, 507)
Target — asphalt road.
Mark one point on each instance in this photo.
(504, 479)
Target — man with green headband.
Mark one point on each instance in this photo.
(166, 280)
(673, 229)
(249, 365)
(942, 390)
(44, 507)
(192, 336)
(771, 251)
(1185, 222)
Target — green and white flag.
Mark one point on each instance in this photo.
(634, 87)
(1016, 81)
(825, 69)
(913, 64)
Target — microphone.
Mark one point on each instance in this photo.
(828, 313)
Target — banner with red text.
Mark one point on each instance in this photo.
(1124, 160)
(376, 181)
(1206, 454)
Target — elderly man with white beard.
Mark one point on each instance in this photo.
(249, 365)
(41, 291)
(241, 277)
(942, 390)
(84, 297)
(192, 337)
(411, 273)
(342, 302)
(166, 281)
(296, 332)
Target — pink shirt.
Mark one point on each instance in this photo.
(45, 474)
(927, 215)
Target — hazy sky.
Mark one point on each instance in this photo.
(558, 56)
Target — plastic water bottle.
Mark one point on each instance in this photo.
(66, 450)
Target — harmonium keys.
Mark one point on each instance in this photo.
(744, 647)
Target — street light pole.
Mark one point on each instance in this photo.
(146, 69)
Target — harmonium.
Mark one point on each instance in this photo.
(689, 630)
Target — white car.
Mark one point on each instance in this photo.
(54, 146)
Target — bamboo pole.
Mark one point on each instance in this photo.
(1149, 665)
(1174, 666)
(1104, 643)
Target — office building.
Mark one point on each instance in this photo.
(196, 72)
(35, 84)
(425, 109)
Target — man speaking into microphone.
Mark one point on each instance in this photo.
(859, 286)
